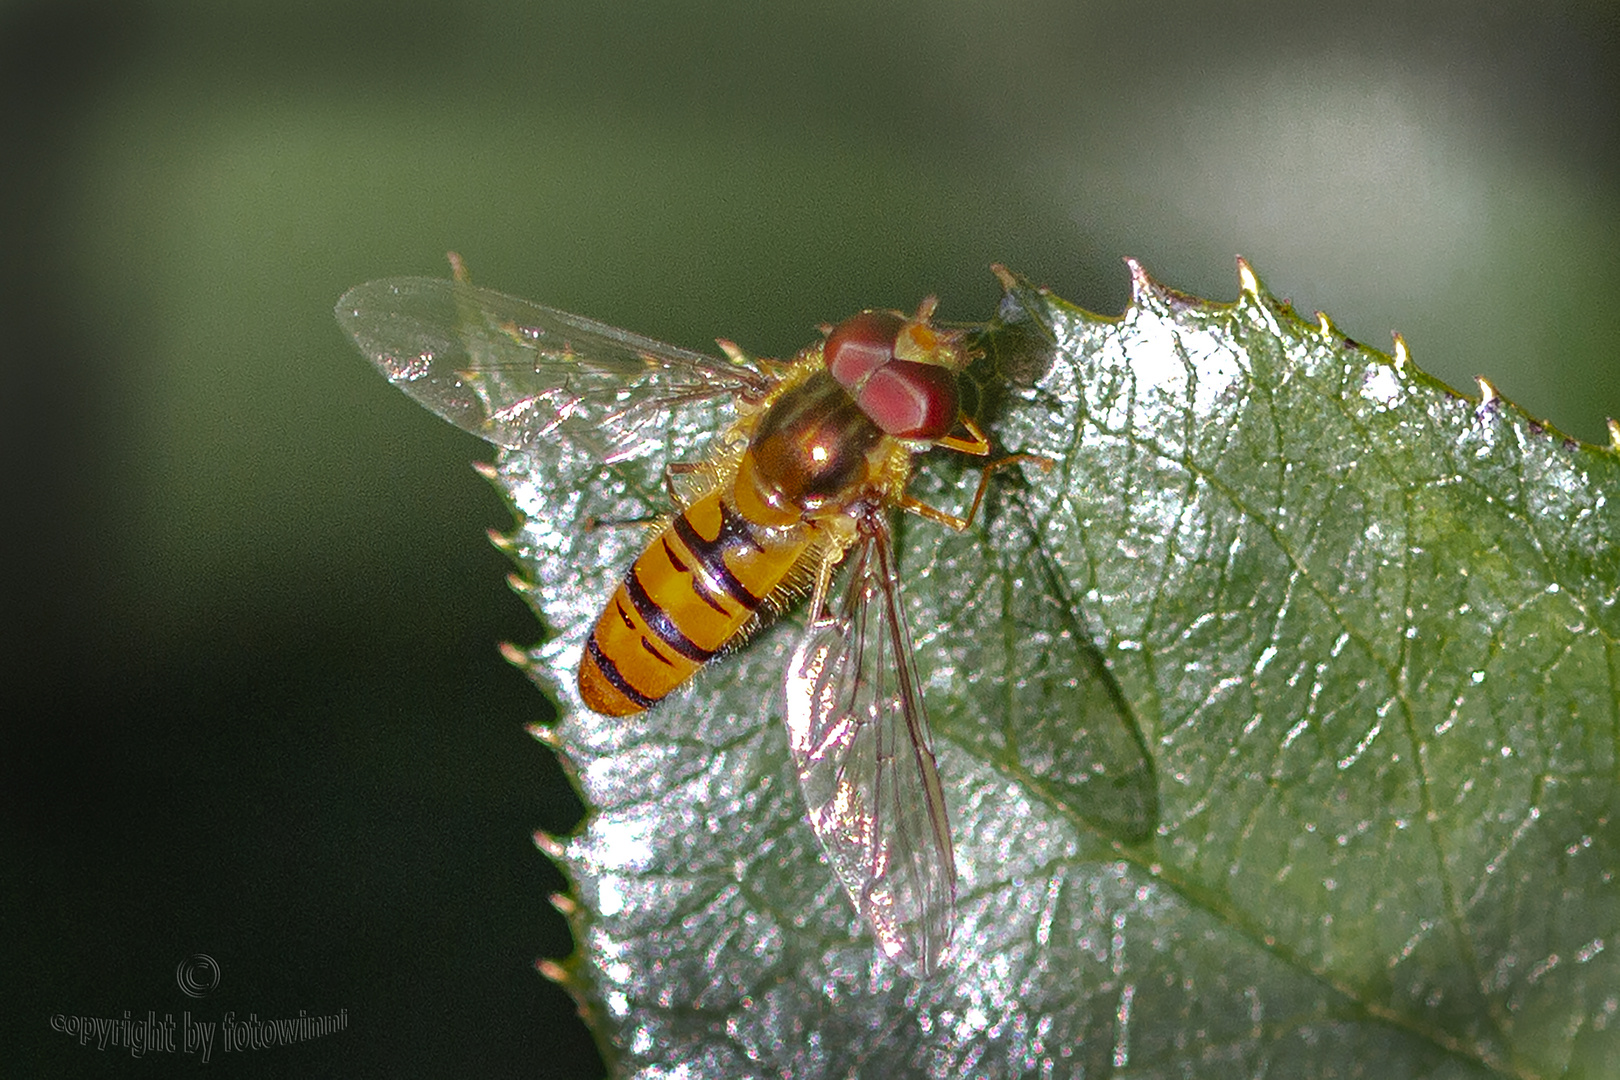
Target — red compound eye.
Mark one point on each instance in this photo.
(910, 400)
(860, 345)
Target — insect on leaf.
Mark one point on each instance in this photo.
(1276, 728)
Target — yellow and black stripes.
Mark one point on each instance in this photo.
(683, 600)
(734, 535)
(659, 622)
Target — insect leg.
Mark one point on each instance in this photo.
(977, 443)
(960, 524)
(679, 468)
(592, 523)
(840, 533)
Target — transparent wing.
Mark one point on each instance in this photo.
(860, 738)
(516, 373)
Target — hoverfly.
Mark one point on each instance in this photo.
(804, 479)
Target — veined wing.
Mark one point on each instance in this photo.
(860, 738)
(516, 373)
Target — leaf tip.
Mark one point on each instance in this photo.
(1009, 280)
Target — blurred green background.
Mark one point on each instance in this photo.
(254, 706)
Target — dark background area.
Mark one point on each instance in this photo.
(252, 705)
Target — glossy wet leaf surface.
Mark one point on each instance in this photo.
(1277, 725)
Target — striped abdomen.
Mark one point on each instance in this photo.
(685, 597)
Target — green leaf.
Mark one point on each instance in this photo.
(1277, 723)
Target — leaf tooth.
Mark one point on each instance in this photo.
(546, 735)
(486, 470)
(1403, 358)
(1144, 290)
(552, 971)
(525, 588)
(553, 846)
(1247, 281)
(565, 904)
(1614, 434)
(505, 543)
(514, 655)
(1151, 295)
(1488, 397)
(1324, 325)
